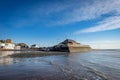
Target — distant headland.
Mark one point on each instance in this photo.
(67, 45)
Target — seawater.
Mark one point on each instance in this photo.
(105, 62)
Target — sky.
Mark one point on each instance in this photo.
(48, 22)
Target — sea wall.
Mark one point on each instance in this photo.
(79, 49)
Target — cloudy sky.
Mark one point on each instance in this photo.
(47, 22)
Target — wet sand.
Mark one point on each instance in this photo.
(36, 54)
(30, 66)
(51, 71)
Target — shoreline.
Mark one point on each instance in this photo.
(37, 53)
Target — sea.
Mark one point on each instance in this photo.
(73, 66)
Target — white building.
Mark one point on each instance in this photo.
(17, 47)
(7, 45)
(2, 45)
(34, 46)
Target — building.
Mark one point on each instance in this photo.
(7, 45)
(2, 45)
(17, 47)
(23, 45)
(34, 46)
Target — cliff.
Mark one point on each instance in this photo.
(71, 46)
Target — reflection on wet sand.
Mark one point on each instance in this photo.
(6, 53)
(6, 61)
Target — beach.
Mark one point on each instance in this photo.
(73, 66)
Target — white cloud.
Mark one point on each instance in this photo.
(107, 24)
(64, 12)
(90, 10)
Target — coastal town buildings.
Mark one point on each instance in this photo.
(7, 44)
(67, 45)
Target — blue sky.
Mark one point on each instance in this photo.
(48, 22)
